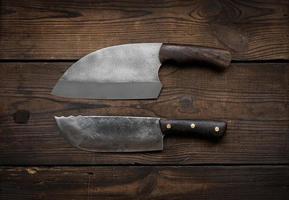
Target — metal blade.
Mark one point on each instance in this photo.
(119, 72)
(112, 133)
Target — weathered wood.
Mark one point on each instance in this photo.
(259, 182)
(39, 29)
(252, 98)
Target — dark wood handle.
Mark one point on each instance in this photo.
(199, 128)
(218, 58)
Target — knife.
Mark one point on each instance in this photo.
(131, 134)
(130, 71)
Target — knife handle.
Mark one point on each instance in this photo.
(213, 130)
(218, 58)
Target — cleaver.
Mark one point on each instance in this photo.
(130, 71)
(131, 134)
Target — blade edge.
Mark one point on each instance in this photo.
(91, 90)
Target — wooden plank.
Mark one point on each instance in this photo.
(253, 98)
(259, 182)
(39, 29)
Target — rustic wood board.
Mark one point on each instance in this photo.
(253, 98)
(60, 29)
(40, 39)
(198, 182)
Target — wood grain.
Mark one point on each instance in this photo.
(219, 59)
(239, 182)
(252, 98)
(250, 162)
(39, 29)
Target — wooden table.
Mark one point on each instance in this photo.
(41, 39)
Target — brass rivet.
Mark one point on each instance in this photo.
(193, 125)
(169, 126)
(217, 129)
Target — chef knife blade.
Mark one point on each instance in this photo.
(130, 71)
(131, 134)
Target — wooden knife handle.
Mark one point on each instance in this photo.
(218, 58)
(213, 130)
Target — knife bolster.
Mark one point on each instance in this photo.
(213, 130)
(182, 54)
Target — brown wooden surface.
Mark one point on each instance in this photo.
(250, 162)
(39, 29)
(252, 98)
(199, 182)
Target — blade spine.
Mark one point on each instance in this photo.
(105, 116)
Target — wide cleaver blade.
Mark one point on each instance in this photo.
(130, 71)
(112, 133)
(132, 134)
(119, 72)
